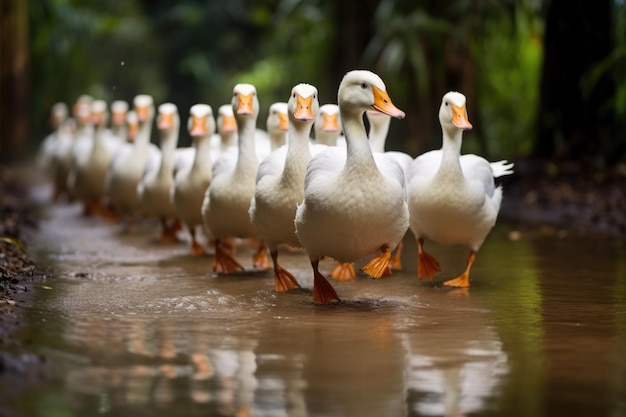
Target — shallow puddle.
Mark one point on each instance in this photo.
(132, 327)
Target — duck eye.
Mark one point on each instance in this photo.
(363, 85)
(446, 103)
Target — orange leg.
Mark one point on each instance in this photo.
(283, 279)
(223, 263)
(168, 232)
(396, 259)
(379, 266)
(463, 279)
(323, 292)
(343, 272)
(196, 248)
(260, 260)
(427, 266)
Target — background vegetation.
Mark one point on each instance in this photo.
(518, 61)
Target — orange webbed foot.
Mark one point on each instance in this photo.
(260, 260)
(223, 263)
(197, 249)
(343, 272)
(396, 258)
(462, 281)
(427, 266)
(283, 279)
(379, 266)
(323, 292)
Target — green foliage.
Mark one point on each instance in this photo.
(508, 56)
(192, 51)
(81, 46)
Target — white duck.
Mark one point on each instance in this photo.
(354, 201)
(453, 199)
(227, 200)
(190, 184)
(155, 188)
(277, 122)
(92, 161)
(379, 128)
(226, 139)
(119, 109)
(280, 182)
(328, 126)
(129, 162)
(45, 154)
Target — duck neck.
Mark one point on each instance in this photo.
(359, 154)
(202, 159)
(169, 140)
(298, 151)
(246, 126)
(228, 140)
(278, 139)
(326, 138)
(451, 151)
(378, 135)
(143, 136)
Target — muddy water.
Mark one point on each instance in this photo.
(133, 327)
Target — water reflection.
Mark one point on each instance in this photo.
(146, 329)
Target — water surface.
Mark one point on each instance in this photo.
(133, 328)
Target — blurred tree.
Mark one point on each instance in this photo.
(105, 49)
(574, 123)
(13, 79)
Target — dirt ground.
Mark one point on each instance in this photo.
(561, 199)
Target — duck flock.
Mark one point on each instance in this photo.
(340, 195)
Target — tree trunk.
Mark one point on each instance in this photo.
(573, 125)
(13, 79)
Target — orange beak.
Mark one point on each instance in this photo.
(142, 113)
(331, 122)
(133, 129)
(283, 121)
(383, 104)
(303, 109)
(245, 103)
(229, 124)
(198, 126)
(96, 117)
(459, 117)
(166, 121)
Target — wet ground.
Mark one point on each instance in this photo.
(130, 327)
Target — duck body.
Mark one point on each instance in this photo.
(129, 162)
(353, 192)
(191, 183)
(92, 159)
(453, 198)
(354, 202)
(280, 181)
(453, 207)
(155, 188)
(227, 200)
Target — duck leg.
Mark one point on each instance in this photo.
(283, 279)
(260, 260)
(379, 266)
(196, 248)
(168, 231)
(323, 292)
(427, 266)
(463, 279)
(396, 259)
(343, 272)
(223, 263)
